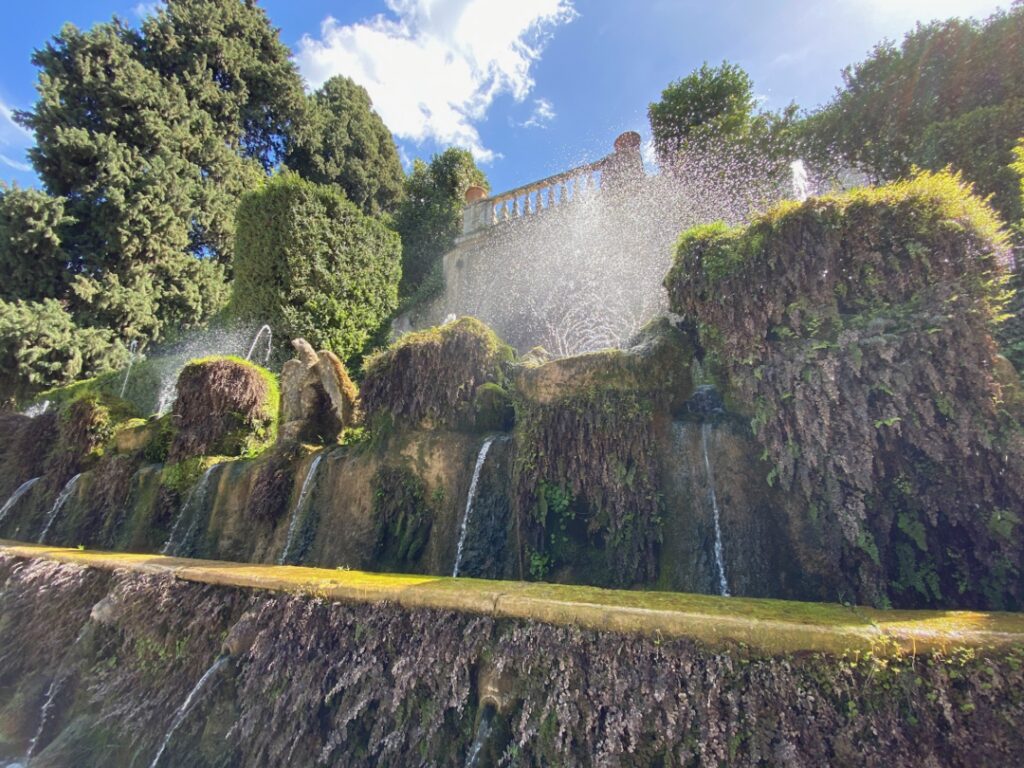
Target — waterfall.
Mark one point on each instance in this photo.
(58, 505)
(723, 585)
(255, 341)
(51, 699)
(196, 496)
(483, 733)
(168, 391)
(470, 499)
(132, 348)
(179, 716)
(38, 409)
(801, 184)
(21, 491)
(299, 503)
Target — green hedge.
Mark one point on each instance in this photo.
(310, 264)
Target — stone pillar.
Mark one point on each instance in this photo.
(624, 167)
(475, 214)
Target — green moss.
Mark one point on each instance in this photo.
(182, 475)
(856, 331)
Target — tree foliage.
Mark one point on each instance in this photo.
(950, 94)
(343, 141)
(32, 260)
(711, 101)
(150, 137)
(42, 347)
(311, 264)
(1018, 167)
(430, 217)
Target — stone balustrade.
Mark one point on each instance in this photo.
(555, 191)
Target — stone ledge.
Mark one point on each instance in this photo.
(764, 626)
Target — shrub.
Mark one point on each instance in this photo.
(310, 264)
(226, 406)
(431, 376)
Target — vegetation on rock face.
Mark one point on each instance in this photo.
(226, 406)
(857, 329)
(403, 516)
(342, 141)
(586, 478)
(432, 376)
(382, 682)
(961, 103)
(311, 265)
(430, 216)
(23, 450)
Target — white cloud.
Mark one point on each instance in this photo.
(23, 167)
(10, 131)
(649, 156)
(14, 140)
(436, 66)
(543, 113)
(142, 10)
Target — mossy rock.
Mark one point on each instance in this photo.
(429, 378)
(856, 330)
(656, 364)
(225, 406)
(493, 408)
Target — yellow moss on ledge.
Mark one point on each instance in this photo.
(763, 626)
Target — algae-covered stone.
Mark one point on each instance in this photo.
(225, 406)
(656, 363)
(429, 378)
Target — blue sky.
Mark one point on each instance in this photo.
(531, 86)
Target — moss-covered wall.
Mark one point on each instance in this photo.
(856, 332)
(380, 684)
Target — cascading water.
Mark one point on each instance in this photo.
(18, 493)
(38, 409)
(293, 523)
(183, 710)
(483, 733)
(58, 505)
(255, 341)
(801, 182)
(167, 395)
(132, 348)
(44, 713)
(723, 585)
(470, 499)
(193, 502)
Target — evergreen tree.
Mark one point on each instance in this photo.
(32, 260)
(311, 264)
(430, 217)
(343, 141)
(151, 137)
